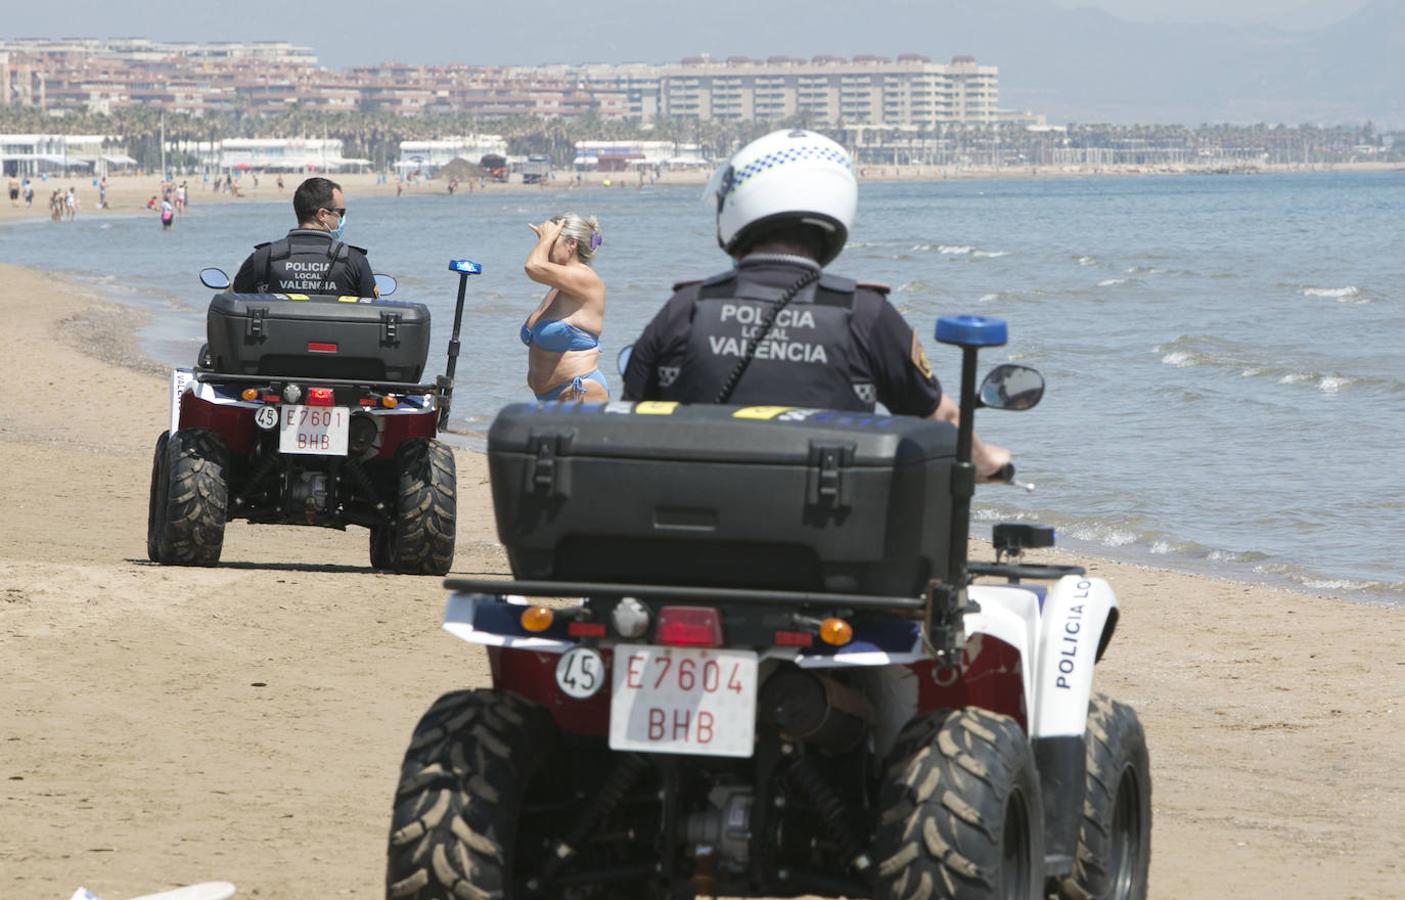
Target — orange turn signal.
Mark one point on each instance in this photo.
(836, 632)
(250, 394)
(389, 402)
(537, 618)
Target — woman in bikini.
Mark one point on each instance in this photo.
(563, 333)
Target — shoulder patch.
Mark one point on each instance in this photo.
(919, 359)
(874, 286)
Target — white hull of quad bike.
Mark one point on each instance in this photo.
(1056, 643)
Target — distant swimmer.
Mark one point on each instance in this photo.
(313, 258)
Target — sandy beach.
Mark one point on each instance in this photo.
(129, 193)
(166, 726)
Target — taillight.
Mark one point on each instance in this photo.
(321, 347)
(319, 397)
(689, 626)
(794, 639)
(586, 629)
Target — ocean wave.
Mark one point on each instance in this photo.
(1188, 351)
(911, 287)
(955, 249)
(1145, 270)
(989, 298)
(1112, 282)
(1086, 261)
(1350, 290)
(989, 254)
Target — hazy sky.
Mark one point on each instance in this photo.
(344, 32)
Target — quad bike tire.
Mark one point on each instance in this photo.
(380, 547)
(156, 504)
(962, 816)
(462, 788)
(420, 540)
(190, 497)
(1114, 836)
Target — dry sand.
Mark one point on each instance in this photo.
(164, 726)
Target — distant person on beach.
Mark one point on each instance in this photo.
(280, 182)
(563, 333)
(71, 204)
(102, 193)
(168, 215)
(28, 192)
(776, 329)
(312, 258)
(14, 192)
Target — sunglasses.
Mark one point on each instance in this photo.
(340, 211)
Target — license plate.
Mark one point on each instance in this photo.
(314, 429)
(683, 700)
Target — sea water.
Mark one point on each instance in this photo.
(1226, 378)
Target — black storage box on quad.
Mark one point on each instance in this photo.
(320, 337)
(720, 496)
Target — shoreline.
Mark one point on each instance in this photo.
(245, 722)
(127, 194)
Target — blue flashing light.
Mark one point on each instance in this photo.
(971, 331)
(465, 267)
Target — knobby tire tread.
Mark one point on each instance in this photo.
(422, 541)
(460, 792)
(195, 498)
(156, 503)
(943, 804)
(1115, 740)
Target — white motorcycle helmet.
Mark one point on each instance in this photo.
(786, 177)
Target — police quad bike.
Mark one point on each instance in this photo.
(308, 410)
(779, 677)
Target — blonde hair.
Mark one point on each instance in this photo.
(585, 232)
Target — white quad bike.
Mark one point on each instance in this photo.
(672, 741)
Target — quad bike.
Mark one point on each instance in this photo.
(307, 410)
(695, 723)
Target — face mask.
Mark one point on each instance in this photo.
(340, 230)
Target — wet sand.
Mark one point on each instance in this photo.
(167, 726)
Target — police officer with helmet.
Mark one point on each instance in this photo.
(776, 329)
(312, 258)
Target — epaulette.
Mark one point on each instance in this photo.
(364, 251)
(837, 283)
(261, 246)
(875, 286)
(680, 285)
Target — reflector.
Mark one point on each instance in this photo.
(689, 626)
(836, 632)
(319, 396)
(537, 618)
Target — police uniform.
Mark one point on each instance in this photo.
(837, 345)
(307, 261)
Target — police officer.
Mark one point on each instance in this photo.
(776, 329)
(312, 259)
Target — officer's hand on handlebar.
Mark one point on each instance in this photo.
(993, 465)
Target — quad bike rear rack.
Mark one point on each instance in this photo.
(403, 387)
(738, 596)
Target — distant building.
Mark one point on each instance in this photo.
(310, 155)
(428, 156)
(62, 154)
(618, 156)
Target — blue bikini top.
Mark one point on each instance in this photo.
(556, 336)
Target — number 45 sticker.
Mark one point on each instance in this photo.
(580, 673)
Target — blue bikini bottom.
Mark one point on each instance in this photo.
(575, 385)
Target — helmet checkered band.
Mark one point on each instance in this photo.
(778, 158)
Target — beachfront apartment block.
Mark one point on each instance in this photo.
(62, 154)
(269, 77)
(265, 155)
